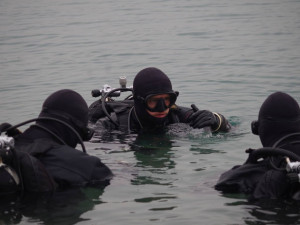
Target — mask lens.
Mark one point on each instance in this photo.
(152, 101)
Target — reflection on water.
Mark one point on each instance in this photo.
(225, 56)
(153, 159)
(155, 153)
(64, 207)
(156, 198)
(156, 140)
(276, 212)
(268, 211)
(151, 142)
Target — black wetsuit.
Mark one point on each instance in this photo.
(152, 93)
(278, 126)
(62, 165)
(261, 180)
(45, 155)
(125, 118)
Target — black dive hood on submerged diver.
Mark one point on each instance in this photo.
(278, 125)
(64, 116)
(278, 116)
(144, 87)
(147, 83)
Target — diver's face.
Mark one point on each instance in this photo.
(159, 105)
(159, 114)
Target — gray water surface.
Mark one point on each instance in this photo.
(224, 56)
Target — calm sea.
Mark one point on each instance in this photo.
(224, 56)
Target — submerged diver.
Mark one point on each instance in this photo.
(153, 108)
(45, 157)
(274, 177)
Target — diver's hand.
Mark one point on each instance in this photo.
(5, 127)
(203, 118)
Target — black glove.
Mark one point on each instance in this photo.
(9, 132)
(203, 118)
(4, 126)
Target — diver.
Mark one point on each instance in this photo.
(151, 108)
(268, 173)
(44, 155)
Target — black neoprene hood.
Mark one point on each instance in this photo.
(151, 81)
(279, 115)
(66, 103)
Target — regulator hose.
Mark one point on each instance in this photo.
(104, 107)
(264, 152)
(7, 129)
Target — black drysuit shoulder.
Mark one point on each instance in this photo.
(242, 178)
(68, 166)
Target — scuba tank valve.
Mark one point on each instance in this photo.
(114, 92)
(123, 82)
(6, 142)
(9, 179)
(292, 167)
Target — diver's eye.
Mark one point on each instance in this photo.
(153, 100)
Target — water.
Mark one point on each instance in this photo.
(225, 56)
